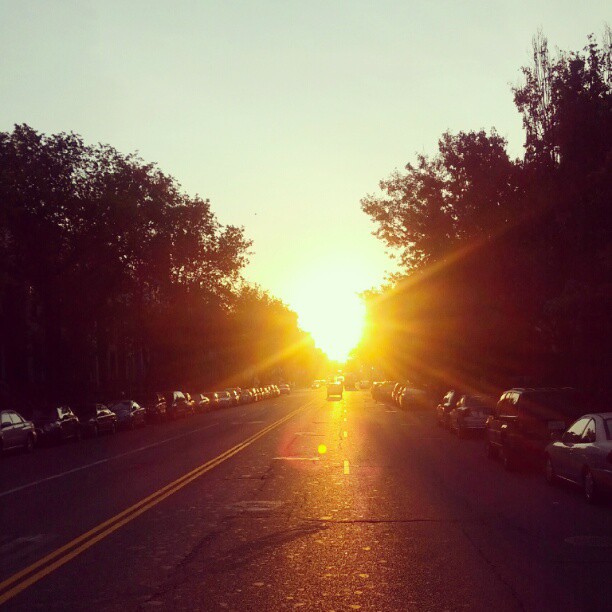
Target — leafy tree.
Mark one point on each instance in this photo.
(507, 262)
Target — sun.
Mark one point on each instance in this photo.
(329, 308)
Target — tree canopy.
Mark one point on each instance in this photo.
(507, 262)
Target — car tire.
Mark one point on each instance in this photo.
(506, 458)
(549, 471)
(29, 447)
(589, 487)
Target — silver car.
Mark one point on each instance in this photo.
(470, 415)
(583, 455)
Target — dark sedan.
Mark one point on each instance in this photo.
(56, 424)
(16, 432)
(96, 418)
(129, 414)
(155, 406)
(202, 403)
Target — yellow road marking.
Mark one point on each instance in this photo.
(347, 469)
(69, 551)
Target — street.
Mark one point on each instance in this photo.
(294, 502)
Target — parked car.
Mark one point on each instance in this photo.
(523, 419)
(129, 414)
(176, 404)
(470, 415)
(583, 455)
(95, 419)
(225, 400)
(334, 389)
(234, 393)
(16, 432)
(202, 403)
(154, 404)
(190, 404)
(213, 398)
(381, 390)
(443, 409)
(413, 399)
(284, 389)
(397, 389)
(246, 396)
(56, 424)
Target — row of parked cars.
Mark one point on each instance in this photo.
(57, 423)
(561, 431)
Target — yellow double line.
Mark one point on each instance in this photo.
(20, 581)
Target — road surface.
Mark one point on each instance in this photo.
(294, 503)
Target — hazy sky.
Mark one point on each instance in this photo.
(283, 113)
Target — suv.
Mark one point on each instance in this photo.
(524, 419)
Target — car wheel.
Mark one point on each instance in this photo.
(506, 458)
(589, 487)
(549, 471)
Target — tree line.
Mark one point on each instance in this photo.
(505, 262)
(111, 278)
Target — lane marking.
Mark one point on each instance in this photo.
(296, 458)
(102, 461)
(347, 470)
(26, 577)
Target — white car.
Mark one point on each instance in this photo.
(583, 455)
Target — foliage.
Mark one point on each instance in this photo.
(110, 275)
(507, 262)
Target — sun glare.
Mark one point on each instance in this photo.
(329, 308)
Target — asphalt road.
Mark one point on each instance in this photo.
(295, 502)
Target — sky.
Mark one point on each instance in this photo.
(285, 114)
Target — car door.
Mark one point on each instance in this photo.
(582, 453)
(565, 452)
(19, 430)
(8, 433)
